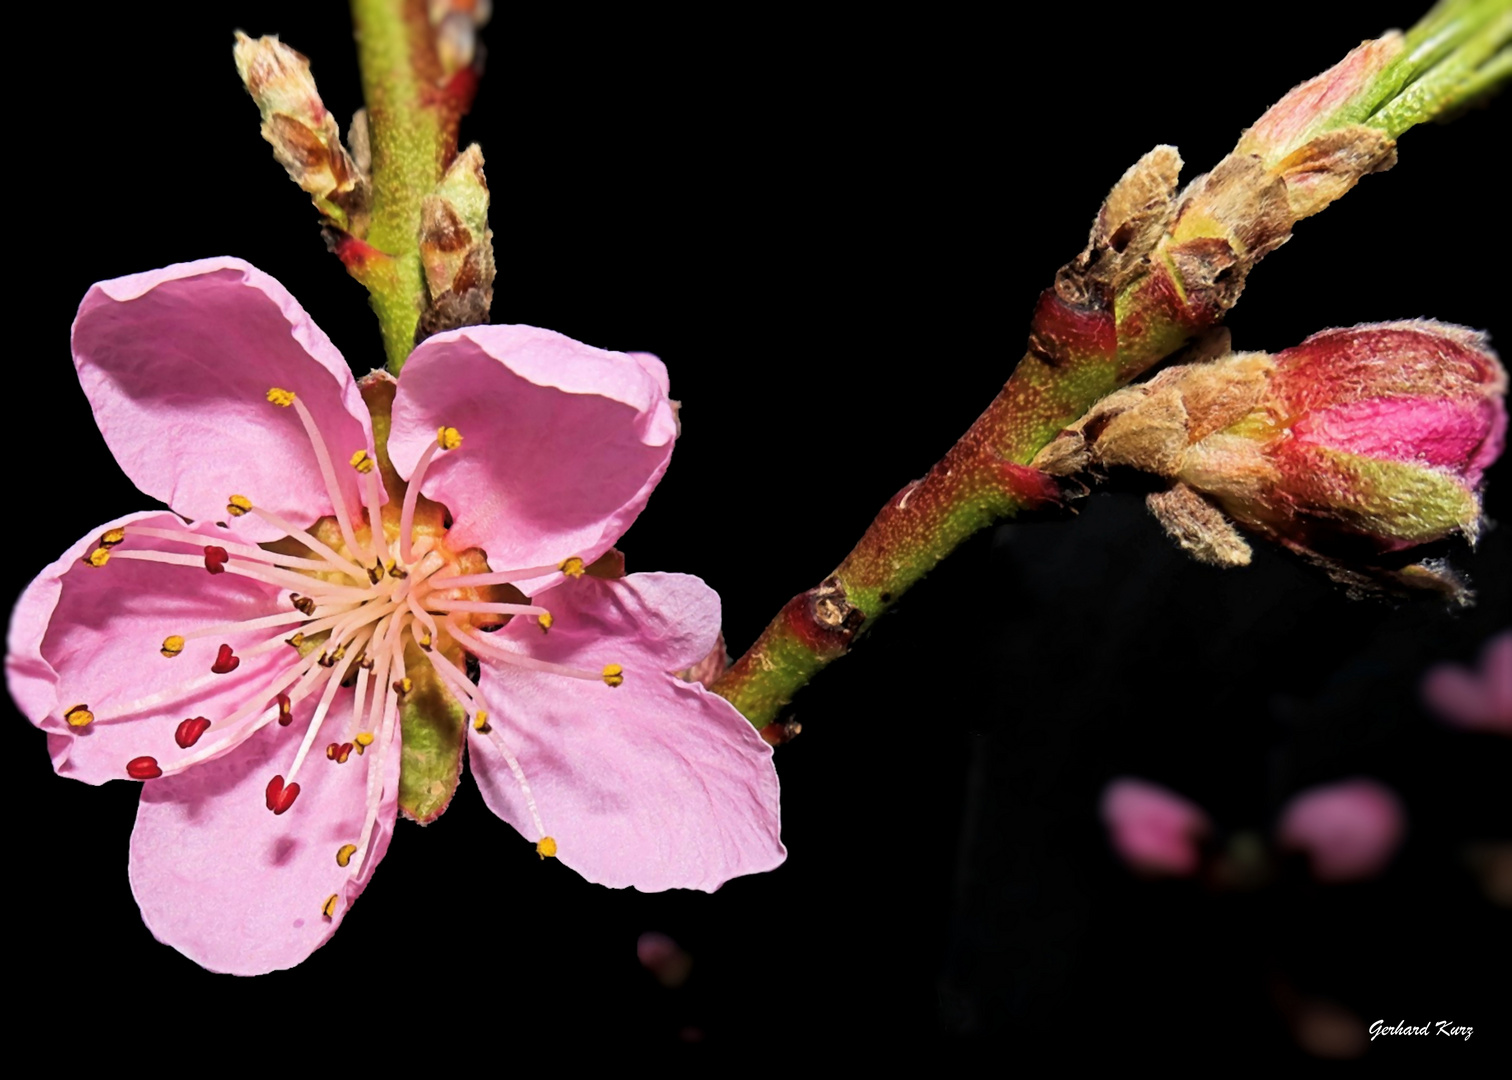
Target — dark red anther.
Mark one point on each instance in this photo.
(215, 559)
(225, 661)
(189, 731)
(331, 751)
(285, 711)
(280, 795)
(143, 768)
(343, 752)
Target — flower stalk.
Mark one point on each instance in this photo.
(413, 111)
(1162, 267)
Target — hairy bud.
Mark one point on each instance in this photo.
(1357, 444)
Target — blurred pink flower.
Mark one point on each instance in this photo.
(1349, 830)
(1477, 700)
(1153, 829)
(210, 660)
(664, 958)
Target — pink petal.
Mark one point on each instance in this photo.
(238, 889)
(655, 784)
(85, 635)
(562, 443)
(1153, 829)
(1349, 830)
(655, 368)
(1447, 432)
(177, 364)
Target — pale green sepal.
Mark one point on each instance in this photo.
(433, 728)
(1397, 500)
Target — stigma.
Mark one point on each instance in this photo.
(355, 591)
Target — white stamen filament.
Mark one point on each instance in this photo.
(391, 663)
(457, 682)
(423, 617)
(411, 499)
(328, 473)
(285, 619)
(495, 735)
(241, 551)
(337, 561)
(230, 736)
(359, 695)
(480, 644)
(336, 674)
(375, 516)
(257, 572)
(443, 607)
(502, 577)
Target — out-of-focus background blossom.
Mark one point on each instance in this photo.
(1478, 697)
(779, 214)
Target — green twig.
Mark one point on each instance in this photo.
(1159, 269)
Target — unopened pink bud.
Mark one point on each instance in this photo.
(1349, 830)
(1153, 829)
(1317, 105)
(1377, 433)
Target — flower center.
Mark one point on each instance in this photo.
(370, 594)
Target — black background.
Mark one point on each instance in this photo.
(832, 228)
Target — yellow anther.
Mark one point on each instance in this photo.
(238, 505)
(480, 720)
(375, 573)
(403, 686)
(99, 556)
(280, 397)
(364, 738)
(396, 571)
(546, 847)
(424, 641)
(112, 537)
(448, 438)
(79, 716)
(362, 462)
(173, 644)
(328, 909)
(572, 567)
(614, 674)
(545, 620)
(344, 854)
(297, 641)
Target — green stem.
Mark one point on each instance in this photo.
(970, 488)
(1159, 270)
(413, 139)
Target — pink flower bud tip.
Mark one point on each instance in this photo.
(1153, 829)
(1348, 830)
(1478, 700)
(1372, 437)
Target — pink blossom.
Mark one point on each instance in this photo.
(1153, 829)
(285, 658)
(1349, 830)
(1478, 700)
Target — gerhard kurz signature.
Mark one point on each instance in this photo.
(1438, 1027)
